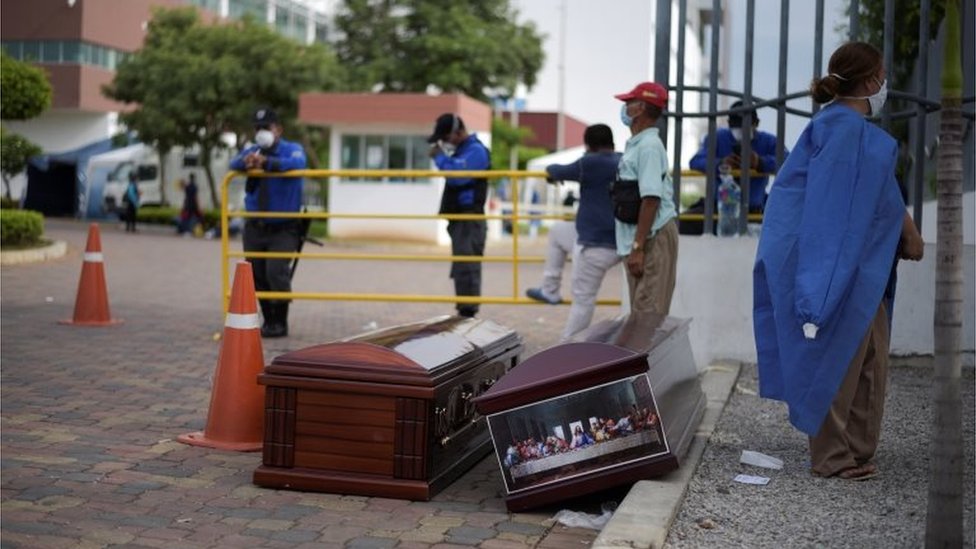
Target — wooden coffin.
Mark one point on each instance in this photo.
(387, 413)
(639, 368)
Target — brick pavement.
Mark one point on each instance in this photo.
(90, 415)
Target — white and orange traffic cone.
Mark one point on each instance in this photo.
(236, 417)
(91, 305)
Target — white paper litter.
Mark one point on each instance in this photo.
(760, 460)
(751, 479)
(577, 519)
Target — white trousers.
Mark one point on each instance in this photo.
(590, 265)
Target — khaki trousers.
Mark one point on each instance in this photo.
(651, 293)
(850, 432)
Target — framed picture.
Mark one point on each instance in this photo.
(577, 434)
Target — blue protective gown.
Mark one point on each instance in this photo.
(829, 237)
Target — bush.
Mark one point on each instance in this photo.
(9, 203)
(19, 228)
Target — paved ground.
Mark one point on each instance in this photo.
(90, 415)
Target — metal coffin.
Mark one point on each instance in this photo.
(630, 384)
(387, 413)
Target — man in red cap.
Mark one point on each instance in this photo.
(646, 231)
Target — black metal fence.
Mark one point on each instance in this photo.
(923, 98)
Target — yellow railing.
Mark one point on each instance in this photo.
(515, 259)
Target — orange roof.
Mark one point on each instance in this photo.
(326, 109)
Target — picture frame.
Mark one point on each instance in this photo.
(577, 434)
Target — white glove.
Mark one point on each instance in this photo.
(810, 330)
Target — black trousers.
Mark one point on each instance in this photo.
(271, 275)
(467, 238)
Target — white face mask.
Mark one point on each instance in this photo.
(448, 148)
(877, 100)
(264, 138)
(736, 133)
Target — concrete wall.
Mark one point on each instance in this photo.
(714, 289)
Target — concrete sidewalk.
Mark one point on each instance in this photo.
(90, 415)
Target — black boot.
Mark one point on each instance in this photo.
(277, 324)
(267, 315)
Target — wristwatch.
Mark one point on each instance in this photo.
(635, 246)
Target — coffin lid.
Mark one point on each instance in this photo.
(412, 353)
(559, 370)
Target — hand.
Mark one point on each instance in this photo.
(635, 263)
(732, 160)
(911, 248)
(435, 150)
(253, 161)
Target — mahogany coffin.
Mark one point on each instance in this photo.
(618, 404)
(387, 413)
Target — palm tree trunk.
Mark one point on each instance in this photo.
(944, 520)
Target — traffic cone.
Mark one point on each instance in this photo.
(91, 305)
(236, 417)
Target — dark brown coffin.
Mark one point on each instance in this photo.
(648, 358)
(387, 413)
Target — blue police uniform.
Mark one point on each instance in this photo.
(763, 144)
(273, 194)
(466, 195)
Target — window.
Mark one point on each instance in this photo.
(32, 51)
(380, 152)
(71, 52)
(51, 51)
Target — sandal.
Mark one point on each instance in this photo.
(861, 472)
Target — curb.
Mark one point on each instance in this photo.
(53, 251)
(644, 517)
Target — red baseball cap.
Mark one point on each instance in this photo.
(649, 92)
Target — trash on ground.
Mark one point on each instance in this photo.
(371, 325)
(706, 523)
(751, 479)
(760, 460)
(578, 519)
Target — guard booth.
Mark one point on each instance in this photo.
(387, 131)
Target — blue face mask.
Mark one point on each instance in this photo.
(624, 117)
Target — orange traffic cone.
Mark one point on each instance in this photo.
(236, 417)
(91, 305)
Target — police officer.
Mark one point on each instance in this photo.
(453, 148)
(271, 153)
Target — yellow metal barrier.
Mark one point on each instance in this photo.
(513, 175)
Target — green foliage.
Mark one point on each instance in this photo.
(8, 203)
(15, 151)
(907, 16)
(472, 46)
(503, 137)
(24, 89)
(194, 82)
(20, 228)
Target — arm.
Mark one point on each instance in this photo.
(650, 176)
(842, 192)
(238, 163)
(292, 158)
(648, 211)
(766, 152)
(565, 172)
(910, 245)
(699, 161)
(472, 157)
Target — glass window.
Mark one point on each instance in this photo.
(13, 49)
(257, 8)
(71, 52)
(32, 51)
(321, 32)
(375, 152)
(420, 158)
(51, 51)
(399, 155)
(85, 54)
(350, 152)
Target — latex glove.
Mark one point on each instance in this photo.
(810, 330)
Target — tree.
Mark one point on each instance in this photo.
(15, 151)
(947, 481)
(24, 89)
(194, 83)
(467, 46)
(504, 136)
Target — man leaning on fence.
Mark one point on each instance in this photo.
(271, 153)
(453, 148)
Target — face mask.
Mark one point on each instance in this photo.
(448, 148)
(264, 138)
(736, 133)
(624, 117)
(877, 100)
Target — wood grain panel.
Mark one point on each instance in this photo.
(335, 415)
(347, 400)
(345, 432)
(333, 462)
(344, 447)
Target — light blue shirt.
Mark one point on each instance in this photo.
(646, 160)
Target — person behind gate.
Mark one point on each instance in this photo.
(453, 148)
(271, 153)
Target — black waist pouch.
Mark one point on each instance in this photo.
(626, 199)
